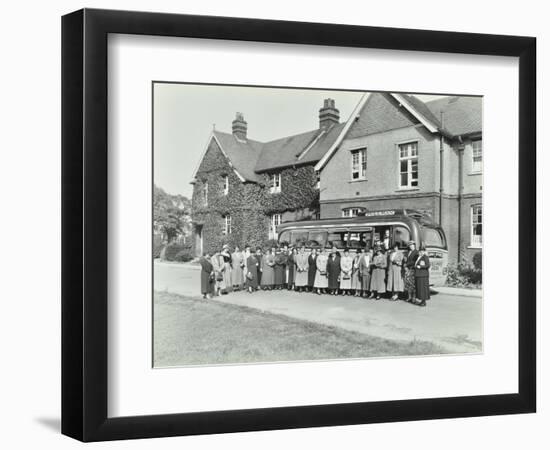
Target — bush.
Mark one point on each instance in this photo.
(183, 256)
(462, 275)
(172, 250)
(476, 260)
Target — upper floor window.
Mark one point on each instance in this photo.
(205, 192)
(275, 183)
(477, 155)
(318, 182)
(477, 218)
(275, 222)
(359, 164)
(226, 224)
(225, 185)
(408, 165)
(352, 212)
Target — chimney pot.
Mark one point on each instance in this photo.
(329, 115)
(239, 126)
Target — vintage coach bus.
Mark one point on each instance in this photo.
(366, 229)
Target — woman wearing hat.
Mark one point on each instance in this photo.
(422, 276)
(365, 270)
(410, 282)
(252, 266)
(302, 268)
(378, 279)
(333, 273)
(237, 266)
(227, 265)
(395, 278)
(321, 278)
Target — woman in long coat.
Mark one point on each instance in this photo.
(395, 272)
(365, 269)
(227, 272)
(321, 279)
(410, 280)
(237, 264)
(291, 268)
(355, 278)
(378, 278)
(346, 267)
(422, 276)
(280, 269)
(312, 268)
(207, 276)
(268, 277)
(333, 272)
(219, 268)
(302, 268)
(252, 265)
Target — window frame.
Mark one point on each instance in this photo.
(362, 161)
(226, 224)
(474, 168)
(473, 241)
(409, 158)
(205, 193)
(276, 182)
(225, 184)
(273, 227)
(351, 208)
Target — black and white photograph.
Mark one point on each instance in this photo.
(304, 224)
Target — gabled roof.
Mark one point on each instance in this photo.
(461, 115)
(241, 154)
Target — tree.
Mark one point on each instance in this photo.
(171, 214)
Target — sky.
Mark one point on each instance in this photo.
(185, 114)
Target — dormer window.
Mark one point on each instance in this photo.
(275, 183)
(225, 185)
(205, 193)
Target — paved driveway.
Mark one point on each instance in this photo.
(452, 321)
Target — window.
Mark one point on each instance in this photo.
(226, 224)
(476, 238)
(408, 165)
(275, 183)
(477, 155)
(275, 221)
(318, 183)
(352, 212)
(205, 192)
(401, 236)
(359, 164)
(225, 185)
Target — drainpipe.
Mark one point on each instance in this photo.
(460, 149)
(441, 172)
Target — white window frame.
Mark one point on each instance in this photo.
(318, 180)
(275, 220)
(225, 185)
(361, 169)
(477, 166)
(352, 211)
(205, 192)
(227, 224)
(275, 183)
(476, 240)
(409, 157)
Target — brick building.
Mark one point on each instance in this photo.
(397, 151)
(243, 188)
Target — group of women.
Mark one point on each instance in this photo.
(367, 273)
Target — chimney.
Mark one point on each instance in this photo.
(239, 127)
(328, 114)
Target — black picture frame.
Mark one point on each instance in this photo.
(84, 224)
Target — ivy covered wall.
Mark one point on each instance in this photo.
(250, 204)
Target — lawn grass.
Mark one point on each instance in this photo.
(192, 331)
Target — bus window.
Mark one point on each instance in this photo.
(284, 237)
(337, 238)
(380, 233)
(317, 239)
(299, 238)
(401, 235)
(360, 239)
(432, 237)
